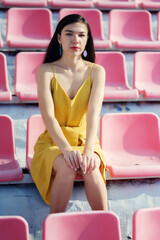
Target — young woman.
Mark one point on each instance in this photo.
(70, 92)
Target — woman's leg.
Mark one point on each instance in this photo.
(95, 188)
(62, 185)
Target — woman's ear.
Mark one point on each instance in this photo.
(59, 38)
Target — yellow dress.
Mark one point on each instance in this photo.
(71, 115)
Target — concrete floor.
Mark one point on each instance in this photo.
(124, 197)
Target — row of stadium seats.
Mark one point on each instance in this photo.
(102, 4)
(91, 225)
(146, 72)
(130, 142)
(126, 28)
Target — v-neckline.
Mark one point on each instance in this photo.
(71, 99)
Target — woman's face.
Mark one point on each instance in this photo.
(73, 39)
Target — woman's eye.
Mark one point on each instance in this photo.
(69, 34)
(82, 35)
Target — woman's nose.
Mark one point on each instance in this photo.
(75, 39)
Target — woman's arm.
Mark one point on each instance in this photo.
(94, 109)
(46, 105)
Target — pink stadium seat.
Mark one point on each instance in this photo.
(1, 40)
(29, 27)
(25, 3)
(9, 167)
(71, 3)
(93, 16)
(149, 4)
(146, 74)
(131, 144)
(26, 64)
(116, 76)
(82, 226)
(103, 4)
(5, 94)
(35, 127)
(126, 29)
(158, 26)
(13, 227)
(146, 224)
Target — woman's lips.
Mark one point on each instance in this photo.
(75, 48)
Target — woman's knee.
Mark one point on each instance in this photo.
(61, 168)
(93, 175)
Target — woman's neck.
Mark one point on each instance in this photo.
(71, 63)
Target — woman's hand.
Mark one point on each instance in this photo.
(73, 159)
(88, 162)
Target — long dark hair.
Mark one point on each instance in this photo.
(53, 52)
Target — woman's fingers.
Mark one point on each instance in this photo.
(73, 159)
(68, 161)
(89, 163)
(84, 164)
(68, 156)
(79, 159)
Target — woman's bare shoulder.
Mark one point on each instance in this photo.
(99, 68)
(44, 72)
(95, 66)
(44, 68)
(98, 72)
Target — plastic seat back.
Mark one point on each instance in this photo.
(92, 16)
(158, 26)
(149, 4)
(131, 143)
(71, 3)
(102, 4)
(13, 227)
(146, 74)
(7, 145)
(117, 86)
(146, 224)
(82, 226)
(35, 126)
(126, 29)
(9, 167)
(25, 3)
(29, 27)
(5, 94)
(26, 65)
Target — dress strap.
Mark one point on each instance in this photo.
(53, 70)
